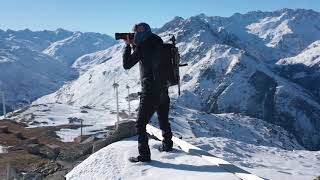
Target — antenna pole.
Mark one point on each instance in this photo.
(3, 104)
(129, 115)
(115, 86)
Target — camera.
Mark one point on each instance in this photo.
(124, 36)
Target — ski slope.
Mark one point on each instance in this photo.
(112, 162)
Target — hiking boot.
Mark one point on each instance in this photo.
(163, 148)
(140, 159)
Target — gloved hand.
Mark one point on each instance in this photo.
(129, 41)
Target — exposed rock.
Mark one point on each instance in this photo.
(4, 129)
(84, 111)
(90, 139)
(32, 140)
(265, 87)
(33, 176)
(48, 168)
(124, 129)
(50, 151)
(54, 148)
(80, 139)
(73, 120)
(33, 149)
(18, 135)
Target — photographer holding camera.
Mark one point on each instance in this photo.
(154, 94)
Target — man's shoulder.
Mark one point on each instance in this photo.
(155, 39)
(156, 36)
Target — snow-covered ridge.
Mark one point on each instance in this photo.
(24, 69)
(111, 163)
(208, 132)
(304, 69)
(309, 56)
(35, 40)
(276, 34)
(24, 66)
(69, 49)
(87, 61)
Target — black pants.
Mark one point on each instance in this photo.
(148, 105)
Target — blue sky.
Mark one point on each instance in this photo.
(109, 16)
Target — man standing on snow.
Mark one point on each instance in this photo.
(154, 93)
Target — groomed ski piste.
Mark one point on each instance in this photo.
(184, 162)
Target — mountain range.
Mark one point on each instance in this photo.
(247, 64)
(33, 64)
(262, 66)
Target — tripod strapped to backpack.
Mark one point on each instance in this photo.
(166, 64)
(174, 75)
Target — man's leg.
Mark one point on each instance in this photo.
(163, 117)
(145, 113)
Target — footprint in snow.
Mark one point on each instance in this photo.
(285, 172)
(170, 156)
(144, 171)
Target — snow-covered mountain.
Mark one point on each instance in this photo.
(244, 96)
(265, 35)
(288, 30)
(34, 40)
(26, 73)
(78, 44)
(226, 72)
(304, 68)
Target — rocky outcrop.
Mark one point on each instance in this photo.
(124, 129)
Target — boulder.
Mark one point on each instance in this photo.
(80, 139)
(33, 149)
(54, 148)
(4, 129)
(90, 139)
(32, 141)
(124, 129)
(18, 135)
(103, 143)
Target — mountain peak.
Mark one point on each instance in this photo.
(178, 18)
(201, 15)
(61, 30)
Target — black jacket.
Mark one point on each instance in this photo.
(145, 55)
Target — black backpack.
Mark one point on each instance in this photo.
(166, 64)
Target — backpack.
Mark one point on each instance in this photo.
(166, 64)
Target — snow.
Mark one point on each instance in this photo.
(95, 120)
(24, 69)
(4, 59)
(240, 140)
(219, 69)
(68, 135)
(266, 162)
(309, 56)
(287, 164)
(256, 146)
(87, 61)
(274, 27)
(3, 149)
(69, 49)
(112, 162)
(223, 55)
(24, 65)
